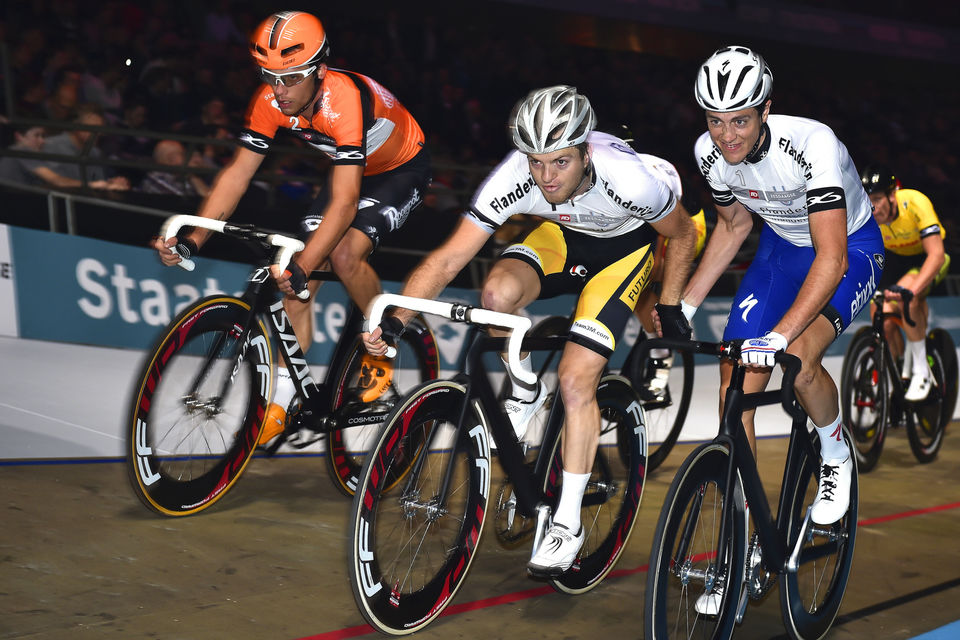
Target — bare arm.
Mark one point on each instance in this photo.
(228, 187)
(933, 247)
(430, 277)
(678, 227)
(734, 224)
(828, 230)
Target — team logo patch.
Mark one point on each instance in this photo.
(878, 258)
(754, 194)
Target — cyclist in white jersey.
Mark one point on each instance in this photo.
(820, 254)
(603, 206)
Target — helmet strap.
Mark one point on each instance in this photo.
(761, 146)
(316, 93)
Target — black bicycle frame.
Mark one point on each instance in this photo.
(732, 434)
(474, 377)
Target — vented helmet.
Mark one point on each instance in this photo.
(289, 39)
(876, 178)
(733, 78)
(550, 119)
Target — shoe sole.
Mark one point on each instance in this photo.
(547, 573)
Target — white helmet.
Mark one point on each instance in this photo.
(733, 78)
(550, 119)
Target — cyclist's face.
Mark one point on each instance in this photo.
(884, 207)
(560, 174)
(291, 100)
(736, 132)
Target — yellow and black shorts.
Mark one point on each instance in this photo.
(608, 273)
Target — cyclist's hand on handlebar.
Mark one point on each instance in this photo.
(670, 322)
(173, 250)
(292, 282)
(760, 352)
(383, 336)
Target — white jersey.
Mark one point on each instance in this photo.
(800, 168)
(628, 190)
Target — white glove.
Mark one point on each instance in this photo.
(760, 351)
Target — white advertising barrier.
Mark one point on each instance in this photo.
(8, 297)
(89, 309)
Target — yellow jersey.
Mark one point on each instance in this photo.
(915, 220)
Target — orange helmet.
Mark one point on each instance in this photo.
(289, 39)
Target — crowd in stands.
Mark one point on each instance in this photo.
(179, 67)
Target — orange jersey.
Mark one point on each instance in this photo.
(357, 121)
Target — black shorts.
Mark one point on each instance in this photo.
(386, 199)
(608, 273)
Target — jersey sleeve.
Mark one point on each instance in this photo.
(708, 156)
(923, 212)
(261, 121)
(821, 163)
(342, 108)
(508, 190)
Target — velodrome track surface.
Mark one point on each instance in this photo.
(83, 558)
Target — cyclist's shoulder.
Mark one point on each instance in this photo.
(914, 201)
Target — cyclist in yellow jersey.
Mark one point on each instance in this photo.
(916, 260)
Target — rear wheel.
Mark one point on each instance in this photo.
(612, 498)
(665, 386)
(199, 407)
(927, 420)
(412, 544)
(864, 397)
(365, 390)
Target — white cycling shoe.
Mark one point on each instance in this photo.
(919, 389)
(557, 551)
(520, 411)
(833, 491)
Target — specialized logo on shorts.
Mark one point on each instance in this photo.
(748, 303)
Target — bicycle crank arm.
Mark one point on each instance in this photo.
(543, 521)
(794, 562)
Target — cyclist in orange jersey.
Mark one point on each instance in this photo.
(380, 170)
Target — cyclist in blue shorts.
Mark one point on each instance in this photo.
(820, 254)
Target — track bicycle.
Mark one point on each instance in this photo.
(203, 392)
(701, 546)
(412, 544)
(665, 386)
(872, 388)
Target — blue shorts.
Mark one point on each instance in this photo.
(779, 268)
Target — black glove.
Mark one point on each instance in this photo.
(673, 324)
(185, 247)
(298, 279)
(391, 329)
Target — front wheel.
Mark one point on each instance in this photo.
(927, 420)
(665, 386)
(365, 389)
(693, 589)
(612, 498)
(810, 596)
(864, 397)
(199, 406)
(412, 545)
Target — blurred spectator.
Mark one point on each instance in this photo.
(37, 171)
(133, 145)
(219, 26)
(82, 143)
(171, 153)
